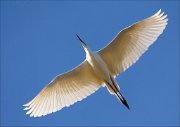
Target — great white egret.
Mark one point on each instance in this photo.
(99, 68)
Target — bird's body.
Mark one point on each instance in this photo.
(99, 68)
(98, 65)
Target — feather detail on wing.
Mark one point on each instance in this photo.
(64, 91)
(126, 48)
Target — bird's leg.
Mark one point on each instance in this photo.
(122, 99)
(117, 93)
(114, 84)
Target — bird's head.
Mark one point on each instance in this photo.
(84, 45)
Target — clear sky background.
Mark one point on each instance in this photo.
(38, 42)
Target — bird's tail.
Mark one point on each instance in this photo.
(122, 99)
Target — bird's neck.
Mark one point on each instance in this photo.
(89, 54)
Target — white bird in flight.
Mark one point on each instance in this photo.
(99, 68)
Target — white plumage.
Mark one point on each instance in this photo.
(99, 68)
(132, 42)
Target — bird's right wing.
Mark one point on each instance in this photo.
(132, 42)
(64, 91)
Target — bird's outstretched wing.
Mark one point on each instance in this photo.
(64, 91)
(126, 48)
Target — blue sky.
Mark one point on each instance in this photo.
(38, 42)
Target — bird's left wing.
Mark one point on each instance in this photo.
(132, 42)
(64, 91)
